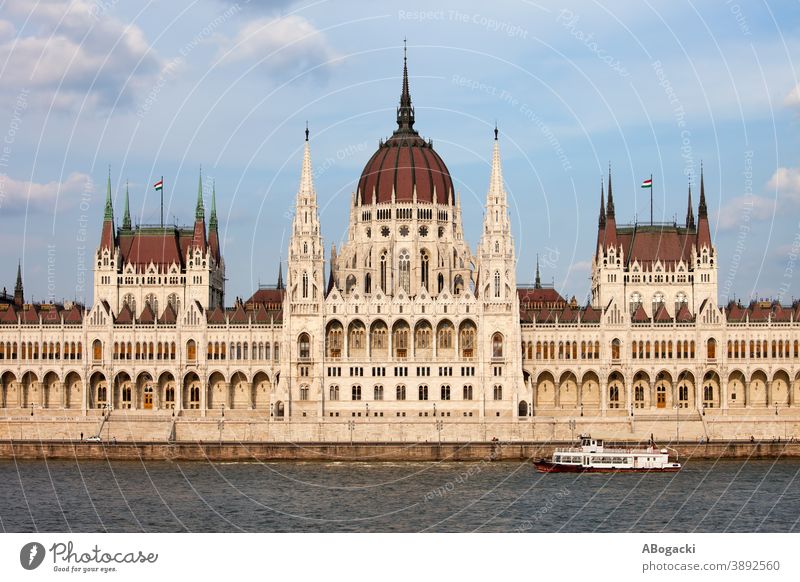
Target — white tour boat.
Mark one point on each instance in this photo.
(592, 456)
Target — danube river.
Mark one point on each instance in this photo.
(98, 496)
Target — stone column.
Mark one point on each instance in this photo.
(603, 384)
(203, 398)
(723, 394)
(62, 389)
(629, 397)
(557, 395)
(746, 393)
(228, 394)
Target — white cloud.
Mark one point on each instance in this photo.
(67, 52)
(743, 210)
(18, 196)
(793, 98)
(286, 45)
(787, 182)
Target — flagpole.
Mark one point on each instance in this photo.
(651, 199)
(162, 201)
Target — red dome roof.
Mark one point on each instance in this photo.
(405, 161)
(400, 164)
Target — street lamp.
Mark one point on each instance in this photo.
(434, 409)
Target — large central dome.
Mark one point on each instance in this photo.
(405, 162)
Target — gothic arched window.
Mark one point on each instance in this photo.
(405, 272)
(497, 283)
(305, 284)
(424, 263)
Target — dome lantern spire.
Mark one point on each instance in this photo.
(405, 113)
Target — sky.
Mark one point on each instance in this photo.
(151, 89)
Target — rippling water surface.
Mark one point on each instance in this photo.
(91, 496)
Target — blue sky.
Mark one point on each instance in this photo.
(161, 88)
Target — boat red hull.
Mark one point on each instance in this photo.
(545, 466)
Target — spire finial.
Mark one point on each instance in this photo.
(109, 213)
(496, 131)
(280, 275)
(602, 219)
(212, 222)
(126, 218)
(610, 207)
(306, 130)
(19, 295)
(538, 282)
(690, 211)
(405, 113)
(702, 211)
(199, 213)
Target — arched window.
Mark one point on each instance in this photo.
(467, 392)
(383, 272)
(305, 284)
(97, 350)
(405, 272)
(458, 285)
(711, 348)
(377, 393)
(356, 393)
(130, 302)
(615, 345)
(498, 392)
(151, 300)
(424, 269)
(191, 351)
(400, 392)
(497, 345)
(497, 284)
(423, 392)
(367, 283)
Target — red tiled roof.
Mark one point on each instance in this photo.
(401, 164)
(147, 317)
(683, 314)
(648, 244)
(161, 246)
(662, 315)
(50, 314)
(125, 316)
(168, 317)
(216, 316)
(639, 316)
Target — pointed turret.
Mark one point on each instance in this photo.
(601, 221)
(496, 247)
(703, 230)
(610, 234)
(213, 227)
(199, 237)
(126, 218)
(19, 293)
(537, 284)
(690, 225)
(107, 237)
(279, 285)
(405, 113)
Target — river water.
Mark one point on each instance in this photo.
(97, 496)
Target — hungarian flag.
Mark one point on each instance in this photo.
(159, 185)
(647, 183)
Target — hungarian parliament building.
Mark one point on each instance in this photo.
(408, 323)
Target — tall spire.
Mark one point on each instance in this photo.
(405, 113)
(212, 222)
(109, 214)
(496, 179)
(702, 211)
(602, 219)
(610, 208)
(280, 276)
(537, 284)
(19, 294)
(126, 218)
(200, 213)
(108, 236)
(306, 174)
(690, 211)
